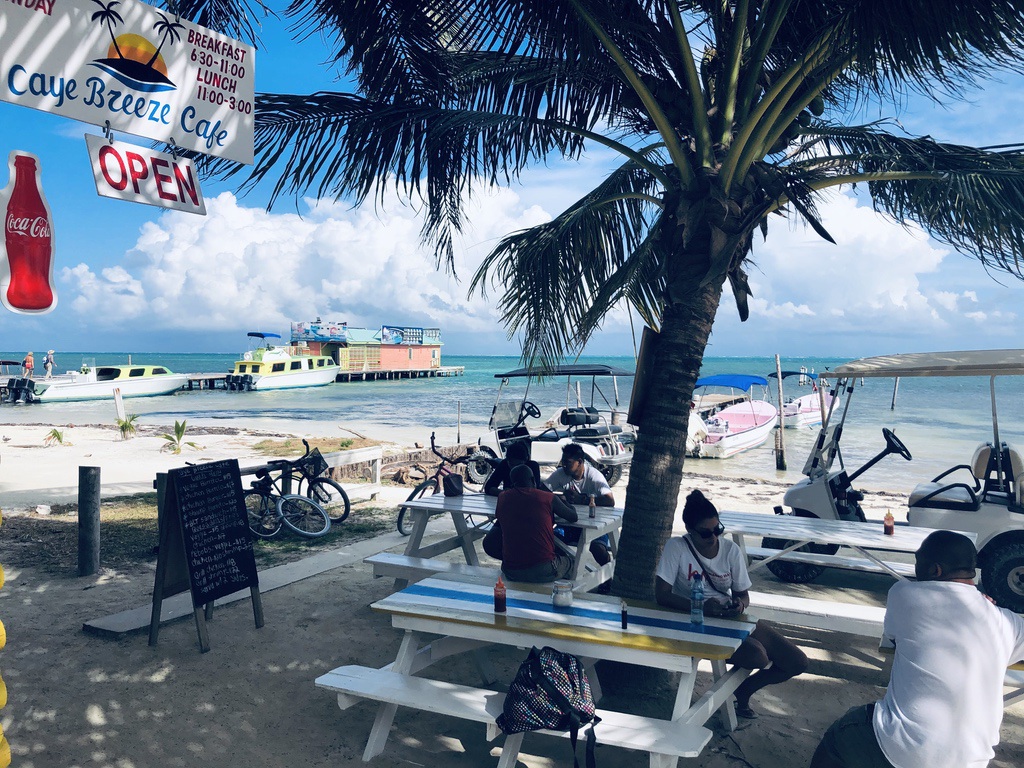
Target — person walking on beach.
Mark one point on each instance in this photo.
(727, 594)
(944, 705)
(48, 363)
(28, 365)
(526, 515)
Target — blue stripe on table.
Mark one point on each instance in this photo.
(610, 615)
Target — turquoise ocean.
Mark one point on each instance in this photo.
(941, 420)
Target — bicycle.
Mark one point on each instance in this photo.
(434, 483)
(309, 480)
(268, 508)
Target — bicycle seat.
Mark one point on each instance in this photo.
(261, 473)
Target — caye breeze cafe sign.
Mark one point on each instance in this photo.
(125, 63)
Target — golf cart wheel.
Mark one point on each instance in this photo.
(478, 467)
(1003, 576)
(611, 474)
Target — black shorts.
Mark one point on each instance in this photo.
(850, 740)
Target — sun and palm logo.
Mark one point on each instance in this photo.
(132, 59)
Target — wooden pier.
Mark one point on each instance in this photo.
(216, 380)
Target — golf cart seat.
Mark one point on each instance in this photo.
(579, 417)
(965, 495)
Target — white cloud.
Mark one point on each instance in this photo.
(243, 268)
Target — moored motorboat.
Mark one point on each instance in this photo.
(806, 410)
(280, 367)
(93, 382)
(733, 428)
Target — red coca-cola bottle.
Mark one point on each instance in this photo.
(27, 283)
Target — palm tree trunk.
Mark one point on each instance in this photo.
(657, 468)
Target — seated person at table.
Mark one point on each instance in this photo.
(515, 454)
(577, 479)
(526, 519)
(944, 702)
(726, 594)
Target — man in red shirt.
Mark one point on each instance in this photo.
(526, 515)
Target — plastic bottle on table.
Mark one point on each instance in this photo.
(697, 599)
(889, 524)
(499, 596)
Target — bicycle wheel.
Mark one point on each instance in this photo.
(421, 490)
(263, 520)
(331, 496)
(303, 516)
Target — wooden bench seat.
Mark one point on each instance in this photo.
(833, 561)
(820, 614)
(398, 566)
(663, 739)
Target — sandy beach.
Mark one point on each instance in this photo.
(79, 700)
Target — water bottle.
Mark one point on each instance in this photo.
(697, 599)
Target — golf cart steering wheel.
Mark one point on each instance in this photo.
(530, 410)
(894, 444)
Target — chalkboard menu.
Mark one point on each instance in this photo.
(215, 532)
(205, 543)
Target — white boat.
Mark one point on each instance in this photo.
(733, 428)
(804, 411)
(280, 367)
(94, 382)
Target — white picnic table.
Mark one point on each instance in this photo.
(462, 612)
(866, 539)
(472, 514)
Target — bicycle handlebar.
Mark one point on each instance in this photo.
(442, 457)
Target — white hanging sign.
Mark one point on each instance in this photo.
(128, 64)
(127, 172)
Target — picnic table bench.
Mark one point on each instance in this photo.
(460, 611)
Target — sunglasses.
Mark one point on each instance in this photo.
(718, 530)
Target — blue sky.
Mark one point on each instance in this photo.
(132, 278)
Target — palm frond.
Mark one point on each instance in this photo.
(239, 19)
(553, 274)
(970, 198)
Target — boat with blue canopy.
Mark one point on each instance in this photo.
(726, 418)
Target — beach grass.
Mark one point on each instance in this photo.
(128, 536)
(293, 447)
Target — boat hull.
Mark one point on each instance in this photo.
(295, 380)
(803, 412)
(67, 391)
(737, 428)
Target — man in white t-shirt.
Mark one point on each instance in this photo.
(726, 593)
(577, 479)
(944, 705)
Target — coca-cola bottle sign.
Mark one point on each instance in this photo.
(26, 271)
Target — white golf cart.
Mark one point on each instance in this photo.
(983, 496)
(593, 421)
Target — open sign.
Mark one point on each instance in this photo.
(140, 175)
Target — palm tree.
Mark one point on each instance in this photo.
(169, 30)
(111, 18)
(724, 113)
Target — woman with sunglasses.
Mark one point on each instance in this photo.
(726, 593)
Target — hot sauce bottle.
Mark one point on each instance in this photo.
(27, 282)
(889, 524)
(499, 596)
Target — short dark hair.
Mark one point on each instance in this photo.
(952, 551)
(574, 452)
(520, 449)
(697, 508)
(521, 477)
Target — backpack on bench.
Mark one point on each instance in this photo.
(551, 692)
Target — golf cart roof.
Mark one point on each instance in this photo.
(986, 362)
(734, 380)
(565, 370)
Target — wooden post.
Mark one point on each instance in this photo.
(458, 424)
(895, 389)
(88, 520)
(780, 441)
